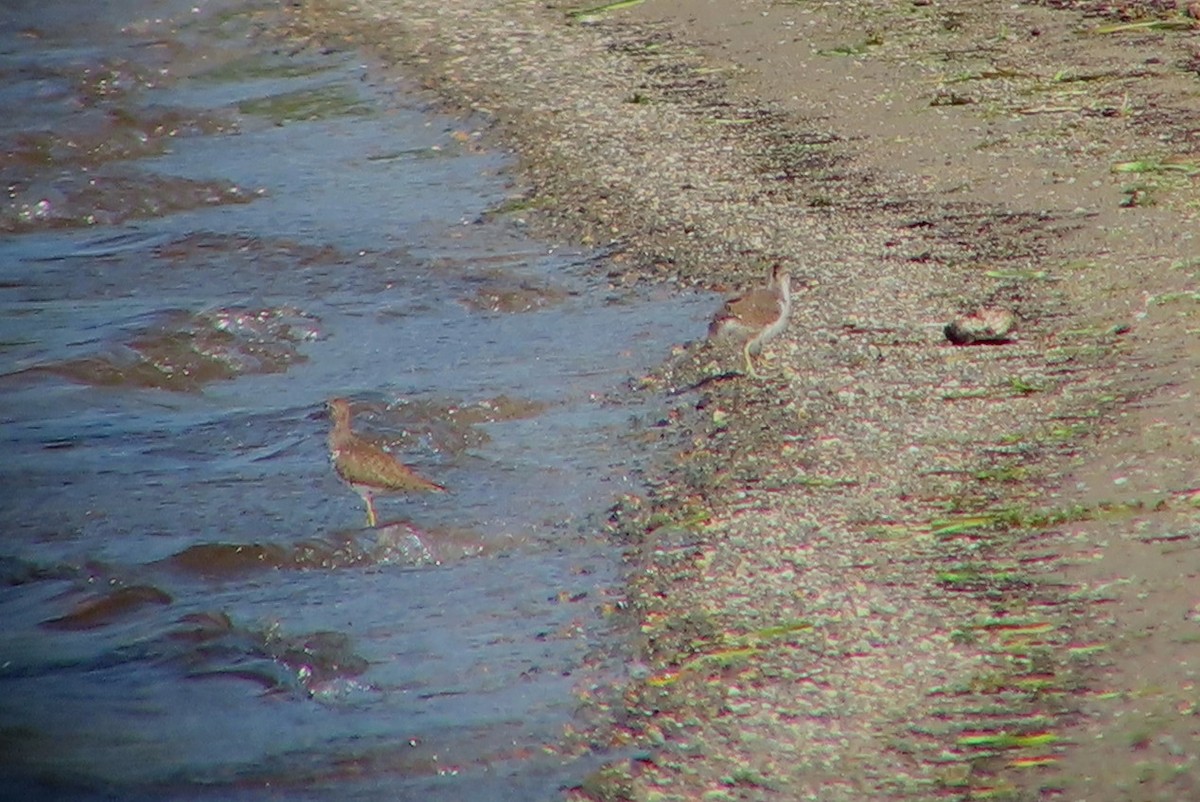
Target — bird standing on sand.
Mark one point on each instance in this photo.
(365, 466)
(756, 317)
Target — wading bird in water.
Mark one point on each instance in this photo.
(366, 467)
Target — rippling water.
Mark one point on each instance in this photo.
(207, 234)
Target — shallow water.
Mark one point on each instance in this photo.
(209, 233)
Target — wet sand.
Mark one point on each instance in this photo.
(894, 568)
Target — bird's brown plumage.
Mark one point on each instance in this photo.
(366, 467)
(757, 316)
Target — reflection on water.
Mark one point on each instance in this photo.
(207, 238)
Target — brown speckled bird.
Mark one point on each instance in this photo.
(756, 317)
(365, 466)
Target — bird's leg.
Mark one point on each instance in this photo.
(749, 364)
(366, 496)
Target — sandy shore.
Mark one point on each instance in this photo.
(893, 568)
